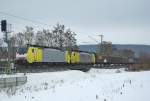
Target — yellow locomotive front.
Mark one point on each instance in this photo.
(28, 55)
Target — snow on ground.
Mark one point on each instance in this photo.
(95, 85)
(13, 75)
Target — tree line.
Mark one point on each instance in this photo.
(143, 62)
(59, 36)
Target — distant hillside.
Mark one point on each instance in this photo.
(136, 48)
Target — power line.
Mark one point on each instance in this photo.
(93, 39)
(22, 26)
(22, 18)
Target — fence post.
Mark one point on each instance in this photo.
(4, 82)
(16, 81)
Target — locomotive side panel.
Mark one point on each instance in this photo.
(53, 55)
(85, 58)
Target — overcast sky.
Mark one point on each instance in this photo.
(120, 21)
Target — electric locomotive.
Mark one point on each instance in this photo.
(34, 54)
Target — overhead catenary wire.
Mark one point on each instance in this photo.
(25, 19)
(93, 39)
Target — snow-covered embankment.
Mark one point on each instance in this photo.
(96, 85)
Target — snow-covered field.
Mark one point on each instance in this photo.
(95, 85)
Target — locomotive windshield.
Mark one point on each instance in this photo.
(22, 50)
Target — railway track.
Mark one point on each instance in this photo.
(38, 69)
(55, 68)
(24, 68)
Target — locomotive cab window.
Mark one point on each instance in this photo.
(32, 50)
(22, 50)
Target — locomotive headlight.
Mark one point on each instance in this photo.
(21, 56)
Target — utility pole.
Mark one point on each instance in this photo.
(5, 31)
(101, 44)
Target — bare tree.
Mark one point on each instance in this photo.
(70, 41)
(20, 39)
(29, 35)
(64, 37)
(58, 33)
(49, 37)
(39, 38)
